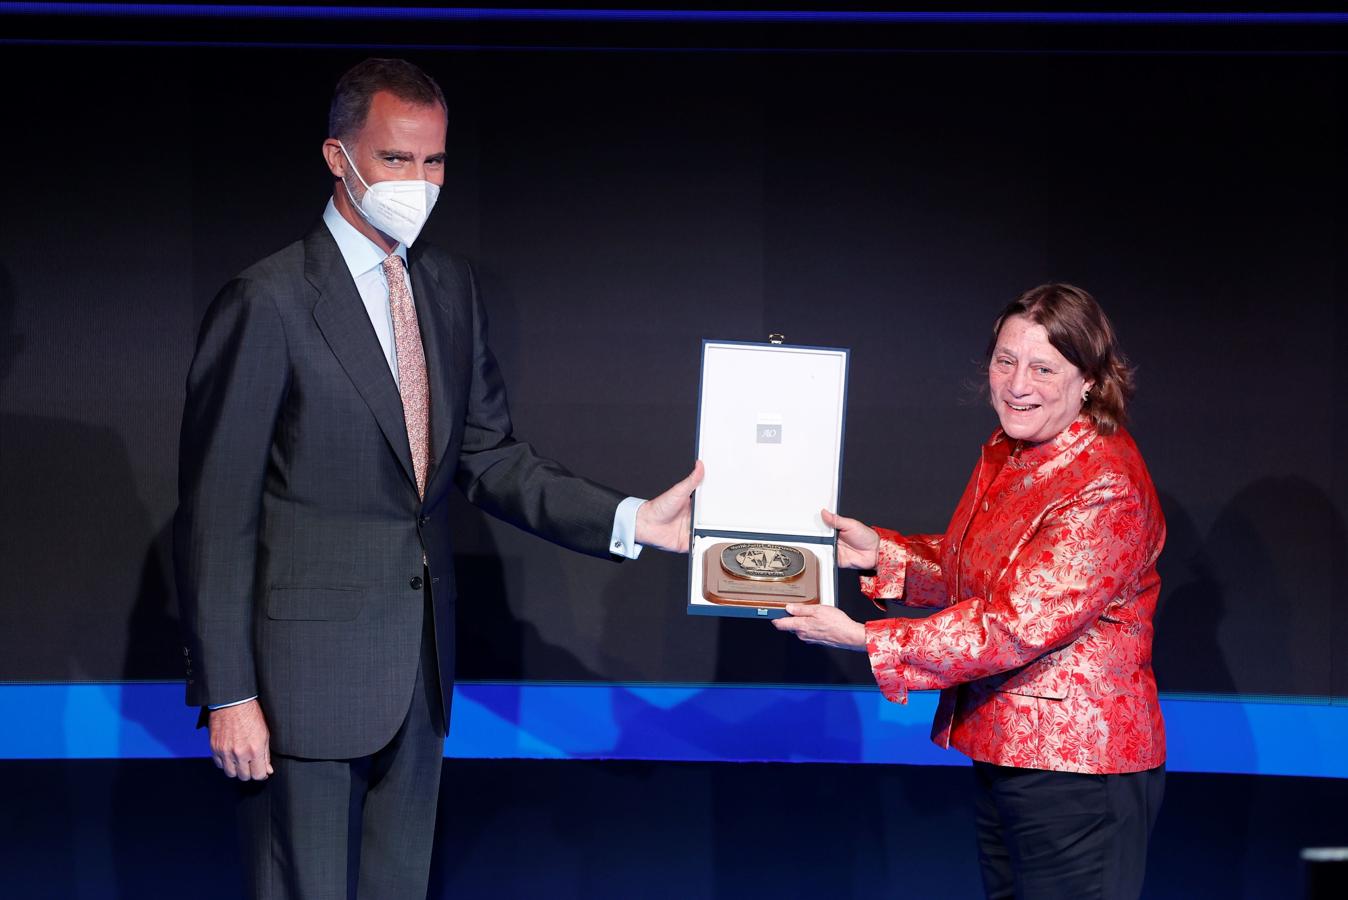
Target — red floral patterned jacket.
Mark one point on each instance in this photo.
(1047, 579)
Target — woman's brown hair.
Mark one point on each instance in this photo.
(1079, 329)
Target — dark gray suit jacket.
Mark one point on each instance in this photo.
(299, 536)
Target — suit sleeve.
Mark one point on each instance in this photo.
(235, 388)
(505, 477)
(1079, 560)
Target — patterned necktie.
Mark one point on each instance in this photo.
(412, 383)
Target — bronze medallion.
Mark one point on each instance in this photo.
(759, 574)
(763, 562)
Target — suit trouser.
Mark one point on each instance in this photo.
(302, 828)
(1064, 835)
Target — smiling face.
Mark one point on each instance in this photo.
(1035, 390)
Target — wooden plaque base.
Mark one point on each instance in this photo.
(719, 586)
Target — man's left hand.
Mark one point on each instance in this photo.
(827, 626)
(663, 522)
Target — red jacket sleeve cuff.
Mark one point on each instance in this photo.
(891, 566)
(884, 647)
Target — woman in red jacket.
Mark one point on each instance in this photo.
(1045, 585)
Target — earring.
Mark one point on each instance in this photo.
(1086, 395)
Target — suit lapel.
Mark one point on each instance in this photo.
(341, 316)
(439, 339)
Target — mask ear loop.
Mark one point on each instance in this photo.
(358, 175)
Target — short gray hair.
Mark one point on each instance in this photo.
(356, 89)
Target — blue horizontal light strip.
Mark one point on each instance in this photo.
(667, 722)
(458, 14)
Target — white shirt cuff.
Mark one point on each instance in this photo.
(623, 541)
(235, 703)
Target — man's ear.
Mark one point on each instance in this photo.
(334, 157)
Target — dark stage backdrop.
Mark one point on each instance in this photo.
(620, 207)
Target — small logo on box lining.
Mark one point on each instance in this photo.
(769, 434)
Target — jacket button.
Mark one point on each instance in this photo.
(424, 521)
(415, 582)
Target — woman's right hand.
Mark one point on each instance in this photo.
(857, 542)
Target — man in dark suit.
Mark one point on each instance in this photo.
(340, 388)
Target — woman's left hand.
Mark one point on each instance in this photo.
(825, 625)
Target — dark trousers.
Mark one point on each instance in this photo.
(330, 829)
(1064, 834)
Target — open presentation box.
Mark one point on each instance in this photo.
(769, 431)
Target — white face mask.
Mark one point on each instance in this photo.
(398, 208)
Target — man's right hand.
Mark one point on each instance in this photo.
(240, 741)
